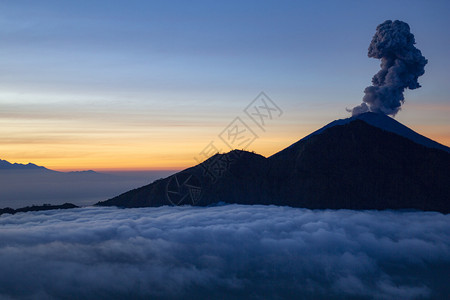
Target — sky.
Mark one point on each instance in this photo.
(135, 85)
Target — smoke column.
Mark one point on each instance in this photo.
(401, 65)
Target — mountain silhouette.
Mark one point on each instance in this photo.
(368, 161)
(12, 211)
(29, 184)
(5, 165)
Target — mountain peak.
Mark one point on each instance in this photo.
(386, 123)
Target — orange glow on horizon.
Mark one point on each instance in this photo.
(174, 162)
(73, 146)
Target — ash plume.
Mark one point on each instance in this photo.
(401, 65)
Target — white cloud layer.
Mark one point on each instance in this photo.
(230, 251)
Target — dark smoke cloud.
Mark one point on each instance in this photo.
(225, 252)
(401, 65)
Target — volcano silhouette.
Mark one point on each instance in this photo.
(369, 161)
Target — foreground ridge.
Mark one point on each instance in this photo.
(12, 211)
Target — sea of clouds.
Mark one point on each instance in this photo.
(230, 251)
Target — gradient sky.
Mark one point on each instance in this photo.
(148, 84)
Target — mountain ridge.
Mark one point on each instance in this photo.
(11, 211)
(350, 164)
(6, 165)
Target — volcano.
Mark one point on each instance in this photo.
(368, 161)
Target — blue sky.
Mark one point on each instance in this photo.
(148, 83)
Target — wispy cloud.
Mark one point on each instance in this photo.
(233, 251)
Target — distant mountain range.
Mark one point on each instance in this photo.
(369, 161)
(29, 184)
(5, 165)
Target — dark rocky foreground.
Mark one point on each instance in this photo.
(12, 211)
(350, 166)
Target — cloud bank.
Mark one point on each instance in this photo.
(231, 251)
